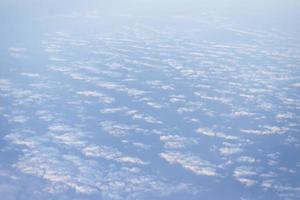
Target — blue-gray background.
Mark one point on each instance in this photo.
(149, 99)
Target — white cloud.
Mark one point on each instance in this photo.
(155, 105)
(160, 85)
(244, 175)
(69, 138)
(297, 85)
(266, 130)
(90, 93)
(209, 132)
(176, 98)
(17, 52)
(45, 115)
(102, 98)
(282, 116)
(190, 162)
(176, 141)
(22, 139)
(120, 130)
(110, 153)
(242, 113)
(18, 119)
(246, 181)
(31, 75)
(189, 107)
(113, 110)
(223, 100)
(247, 159)
(5, 85)
(227, 151)
(145, 117)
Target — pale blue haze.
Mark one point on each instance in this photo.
(141, 99)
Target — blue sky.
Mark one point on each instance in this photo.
(149, 100)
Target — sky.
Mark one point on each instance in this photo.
(145, 99)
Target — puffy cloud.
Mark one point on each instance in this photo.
(266, 130)
(113, 110)
(247, 159)
(17, 52)
(145, 117)
(245, 175)
(190, 162)
(209, 132)
(110, 154)
(120, 130)
(176, 141)
(102, 98)
(227, 151)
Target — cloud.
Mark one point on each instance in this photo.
(145, 117)
(211, 133)
(177, 98)
(31, 75)
(242, 113)
(90, 93)
(283, 116)
(155, 105)
(245, 174)
(17, 52)
(203, 83)
(223, 100)
(297, 85)
(119, 129)
(102, 98)
(28, 140)
(66, 170)
(190, 162)
(70, 139)
(160, 85)
(266, 130)
(227, 151)
(176, 141)
(246, 181)
(18, 119)
(45, 115)
(5, 85)
(247, 159)
(113, 110)
(110, 154)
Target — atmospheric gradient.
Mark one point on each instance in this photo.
(145, 100)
